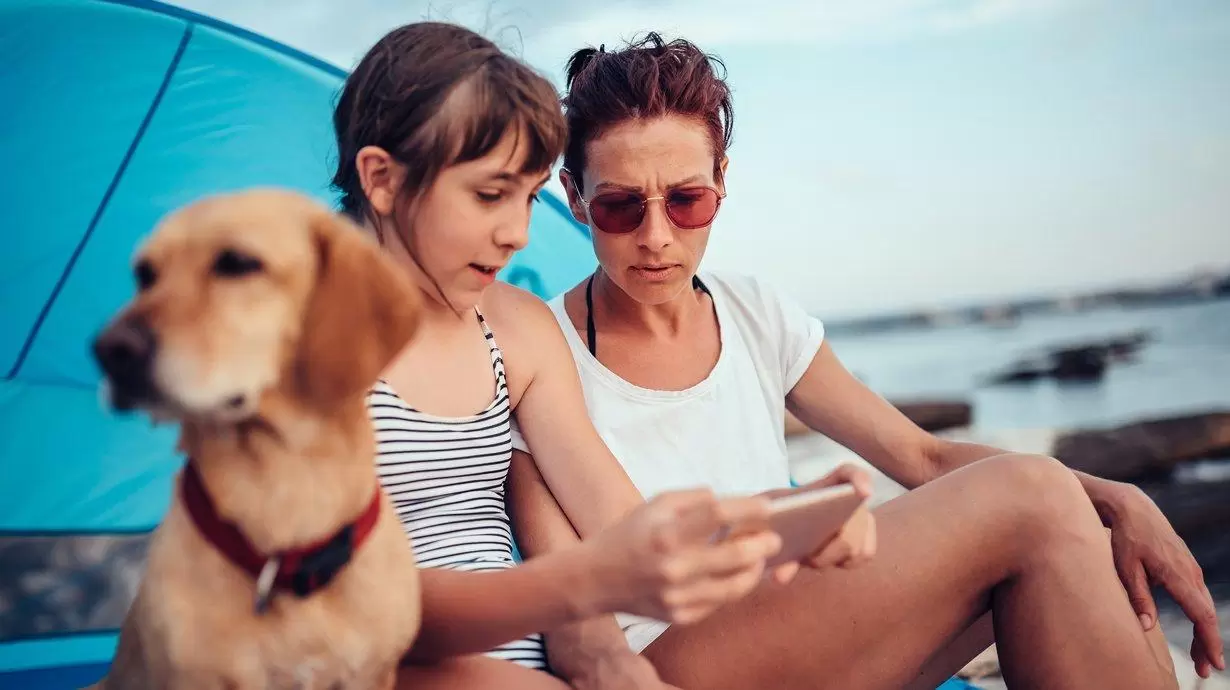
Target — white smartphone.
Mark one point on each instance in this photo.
(806, 519)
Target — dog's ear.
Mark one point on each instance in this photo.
(362, 311)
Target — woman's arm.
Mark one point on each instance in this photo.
(829, 399)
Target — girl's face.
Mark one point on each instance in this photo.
(666, 163)
(465, 227)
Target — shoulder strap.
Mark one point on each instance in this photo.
(591, 339)
(591, 334)
(487, 333)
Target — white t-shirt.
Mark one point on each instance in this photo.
(726, 432)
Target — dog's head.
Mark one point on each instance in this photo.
(254, 293)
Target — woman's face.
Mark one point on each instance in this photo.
(467, 225)
(669, 157)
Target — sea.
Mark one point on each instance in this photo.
(1183, 369)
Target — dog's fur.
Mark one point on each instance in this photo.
(266, 369)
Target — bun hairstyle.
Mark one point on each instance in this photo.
(646, 79)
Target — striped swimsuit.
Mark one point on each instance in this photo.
(445, 477)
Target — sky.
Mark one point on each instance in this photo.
(910, 154)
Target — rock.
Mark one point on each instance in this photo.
(1076, 361)
(1194, 509)
(1138, 451)
(931, 415)
(937, 415)
(1079, 363)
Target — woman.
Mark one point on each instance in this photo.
(443, 143)
(685, 375)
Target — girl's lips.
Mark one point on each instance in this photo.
(485, 273)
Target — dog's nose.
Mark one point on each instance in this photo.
(125, 351)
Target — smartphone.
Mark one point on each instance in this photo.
(806, 519)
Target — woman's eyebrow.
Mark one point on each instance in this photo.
(635, 188)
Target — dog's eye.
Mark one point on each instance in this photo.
(231, 264)
(145, 274)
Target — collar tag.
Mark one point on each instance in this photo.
(264, 584)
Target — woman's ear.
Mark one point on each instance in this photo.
(721, 177)
(574, 196)
(381, 177)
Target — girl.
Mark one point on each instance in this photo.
(443, 143)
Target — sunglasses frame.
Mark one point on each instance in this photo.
(645, 206)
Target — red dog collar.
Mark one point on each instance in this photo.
(301, 571)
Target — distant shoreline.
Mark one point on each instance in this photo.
(1205, 288)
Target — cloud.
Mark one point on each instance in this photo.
(545, 32)
(728, 23)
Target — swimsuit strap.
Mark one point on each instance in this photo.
(591, 334)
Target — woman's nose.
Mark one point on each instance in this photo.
(656, 229)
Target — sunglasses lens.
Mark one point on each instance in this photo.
(617, 212)
(692, 207)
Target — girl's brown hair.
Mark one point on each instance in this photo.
(433, 95)
(646, 79)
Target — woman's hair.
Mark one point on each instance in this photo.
(433, 95)
(646, 79)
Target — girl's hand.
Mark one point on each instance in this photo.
(663, 560)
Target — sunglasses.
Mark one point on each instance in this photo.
(688, 208)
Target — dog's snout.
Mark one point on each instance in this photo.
(125, 351)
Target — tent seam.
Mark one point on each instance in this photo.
(102, 205)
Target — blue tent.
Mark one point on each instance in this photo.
(116, 112)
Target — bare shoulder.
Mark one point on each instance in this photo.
(514, 313)
(527, 332)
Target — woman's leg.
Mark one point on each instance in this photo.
(479, 672)
(947, 661)
(1015, 534)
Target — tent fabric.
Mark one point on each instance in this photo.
(134, 109)
(117, 112)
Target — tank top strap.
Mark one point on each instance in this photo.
(482, 321)
(497, 356)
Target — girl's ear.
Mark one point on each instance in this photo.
(381, 177)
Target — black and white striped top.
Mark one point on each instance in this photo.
(445, 477)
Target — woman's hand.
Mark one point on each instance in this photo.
(663, 560)
(1148, 552)
(855, 544)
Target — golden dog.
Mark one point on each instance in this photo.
(260, 321)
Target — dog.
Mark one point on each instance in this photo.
(261, 319)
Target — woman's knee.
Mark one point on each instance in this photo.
(1042, 497)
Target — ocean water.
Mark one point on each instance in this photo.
(1184, 369)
